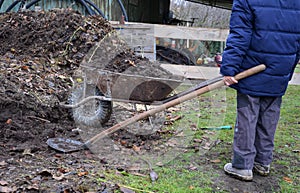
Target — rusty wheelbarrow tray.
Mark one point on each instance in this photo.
(137, 88)
(67, 145)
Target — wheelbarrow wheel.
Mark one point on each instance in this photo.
(93, 113)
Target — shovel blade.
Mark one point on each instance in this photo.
(65, 145)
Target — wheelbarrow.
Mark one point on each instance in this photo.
(68, 145)
(92, 100)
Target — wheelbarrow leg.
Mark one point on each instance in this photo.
(146, 109)
(134, 107)
(149, 118)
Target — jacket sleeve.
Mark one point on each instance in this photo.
(238, 41)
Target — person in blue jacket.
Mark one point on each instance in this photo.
(261, 32)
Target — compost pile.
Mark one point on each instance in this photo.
(39, 53)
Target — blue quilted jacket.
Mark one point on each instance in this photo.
(263, 32)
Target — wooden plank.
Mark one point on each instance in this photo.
(193, 33)
(181, 32)
(192, 72)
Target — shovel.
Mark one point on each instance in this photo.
(68, 145)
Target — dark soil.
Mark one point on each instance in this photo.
(40, 53)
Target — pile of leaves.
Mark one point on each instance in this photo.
(40, 50)
(59, 37)
(39, 53)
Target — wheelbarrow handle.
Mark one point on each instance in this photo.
(172, 103)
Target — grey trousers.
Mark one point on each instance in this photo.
(254, 131)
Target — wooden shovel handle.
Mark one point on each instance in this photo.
(250, 72)
(172, 103)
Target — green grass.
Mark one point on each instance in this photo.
(190, 172)
(173, 180)
(287, 140)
